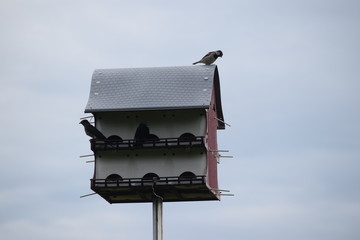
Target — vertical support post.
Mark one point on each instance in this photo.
(157, 218)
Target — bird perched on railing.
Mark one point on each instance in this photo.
(210, 57)
(143, 135)
(91, 131)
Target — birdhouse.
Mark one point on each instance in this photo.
(158, 131)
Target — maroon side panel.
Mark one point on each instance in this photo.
(212, 124)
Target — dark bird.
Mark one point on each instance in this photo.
(210, 57)
(91, 131)
(142, 133)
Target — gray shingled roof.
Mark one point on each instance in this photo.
(128, 89)
(136, 89)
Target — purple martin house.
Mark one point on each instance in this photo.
(181, 109)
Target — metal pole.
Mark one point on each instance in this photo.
(157, 218)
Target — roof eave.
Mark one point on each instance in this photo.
(146, 109)
(219, 112)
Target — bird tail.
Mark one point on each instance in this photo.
(196, 62)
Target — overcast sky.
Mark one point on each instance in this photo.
(290, 90)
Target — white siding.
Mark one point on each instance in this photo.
(163, 162)
(164, 124)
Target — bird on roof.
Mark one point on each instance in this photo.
(91, 131)
(210, 57)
